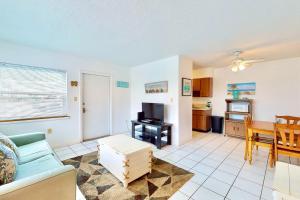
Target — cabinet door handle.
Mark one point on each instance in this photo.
(234, 128)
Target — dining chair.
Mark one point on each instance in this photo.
(253, 138)
(287, 140)
(287, 119)
(247, 122)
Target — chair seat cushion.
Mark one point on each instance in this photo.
(40, 165)
(33, 151)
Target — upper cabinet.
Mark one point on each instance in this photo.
(196, 87)
(203, 87)
(206, 87)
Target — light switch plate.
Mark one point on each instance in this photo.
(49, 130)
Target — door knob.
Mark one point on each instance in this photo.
(83, 110)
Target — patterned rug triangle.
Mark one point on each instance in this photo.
(95, 182)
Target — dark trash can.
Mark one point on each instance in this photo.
(217, 123)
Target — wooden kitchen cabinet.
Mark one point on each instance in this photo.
(202, 87)
(235, 128)
(236, 111)
(195, 120)
(230, 128)
(196, 87)
(206, 87)
(202, 120)
(240, 129)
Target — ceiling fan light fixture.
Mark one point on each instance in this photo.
(242, 67)
(234, 68)
(240, 64)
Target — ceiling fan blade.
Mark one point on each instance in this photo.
(253, 61)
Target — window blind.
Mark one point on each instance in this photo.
(31, 92)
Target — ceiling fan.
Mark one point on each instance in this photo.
(239, 64)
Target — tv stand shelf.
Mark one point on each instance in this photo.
(150, 133)
(154, 135)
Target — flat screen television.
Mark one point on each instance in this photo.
(153, 112)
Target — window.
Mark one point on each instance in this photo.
(31, 92)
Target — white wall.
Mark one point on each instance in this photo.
(185, 102)
(200, 72)
(277, 87)
(68, 131)
(162, 70)
(172, 70)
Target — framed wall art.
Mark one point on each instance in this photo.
(241, 88)
(156, 87)
(186, 87)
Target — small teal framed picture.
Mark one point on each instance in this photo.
(186, 87)
(122, 84)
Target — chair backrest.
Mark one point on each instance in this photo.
(287, 136)
(288, 119)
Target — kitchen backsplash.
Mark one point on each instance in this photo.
(201, 102)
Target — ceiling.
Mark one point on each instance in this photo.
(133, 32)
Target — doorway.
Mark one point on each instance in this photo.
(95, 106)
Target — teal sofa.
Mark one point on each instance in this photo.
(40, 174)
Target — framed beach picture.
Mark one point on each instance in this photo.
(186, 87)
(156, 87)
(241, 88)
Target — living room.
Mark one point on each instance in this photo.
(79, 79)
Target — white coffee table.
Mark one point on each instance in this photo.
(126, 158)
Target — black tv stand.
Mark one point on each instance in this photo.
(153, 136)
(148, 121)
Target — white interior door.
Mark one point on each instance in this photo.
(95, 106)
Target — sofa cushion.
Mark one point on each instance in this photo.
(37, 166)
(6, 141)
(8, 162)
(33, 151)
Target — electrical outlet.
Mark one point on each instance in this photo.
(49, 130)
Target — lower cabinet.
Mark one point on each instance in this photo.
(235, 128)
(202, 120)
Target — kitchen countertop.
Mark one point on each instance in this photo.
(194, 108)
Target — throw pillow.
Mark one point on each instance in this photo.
(8, 162)
(10, 144)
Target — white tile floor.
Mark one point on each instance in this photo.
(76, 150)
(218, 164)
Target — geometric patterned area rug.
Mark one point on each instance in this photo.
(97, 183)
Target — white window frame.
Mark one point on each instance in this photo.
(45, 117)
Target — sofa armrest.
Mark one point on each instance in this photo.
(27, 138)
(58, 184)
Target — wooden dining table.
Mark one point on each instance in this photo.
(265, 128)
